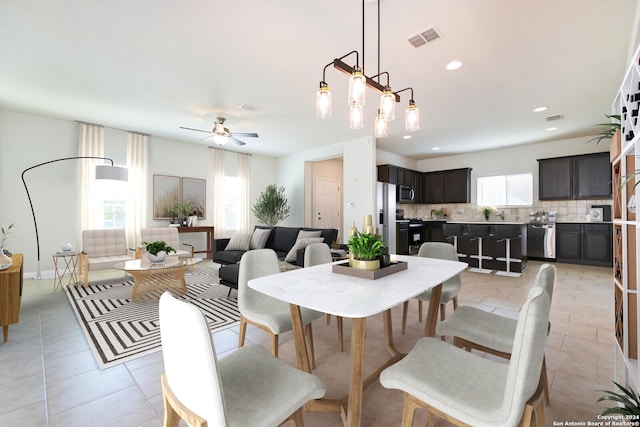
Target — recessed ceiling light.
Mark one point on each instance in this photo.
(552, 128)
(453, 65)
(540, 109)
(406, 137)
(435, 148)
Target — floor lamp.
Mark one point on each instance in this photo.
(118, 173)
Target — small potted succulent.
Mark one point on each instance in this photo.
(157, 251)
(366, 250)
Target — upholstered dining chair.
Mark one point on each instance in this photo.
(249, 387)
(467, 389)
(320, 253)
(472, 327)
(262, 311)
(450, 288)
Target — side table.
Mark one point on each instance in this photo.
(69, 267)
(10, 294)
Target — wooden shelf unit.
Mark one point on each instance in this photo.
(624, 150)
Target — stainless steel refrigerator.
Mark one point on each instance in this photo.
(386, 214)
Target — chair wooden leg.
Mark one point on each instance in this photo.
(442, 308)
(405, 308)
(545, 382)
(455, 303)
(408, 410)
(420, 310)
(312, 354)
(274, 344)
(328, 319)
(340, 335)
(243, 331)
(174, 409)
(296, 419)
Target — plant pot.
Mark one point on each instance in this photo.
(486, 217)
(157, 258)
(361, 264)
(5, 261)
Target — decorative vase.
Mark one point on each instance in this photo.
(373, 264)
(486, 217)
(5, 261)
(353, 229)
(157, 258)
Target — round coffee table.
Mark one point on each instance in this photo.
(150, 280)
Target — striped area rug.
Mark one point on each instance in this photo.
(120, 330)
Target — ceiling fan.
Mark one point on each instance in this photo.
(221, 135)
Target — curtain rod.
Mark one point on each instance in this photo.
(110, 127)
(231, 151)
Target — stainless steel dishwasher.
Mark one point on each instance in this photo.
(541, 241)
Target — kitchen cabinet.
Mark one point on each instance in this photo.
(587, 176)
(388, 173)
(432, 231)
(586, 243)
(448, 186)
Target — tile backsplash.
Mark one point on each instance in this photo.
(567, 210)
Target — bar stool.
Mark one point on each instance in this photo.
(479, 232)
(504, 233)
(452, 232)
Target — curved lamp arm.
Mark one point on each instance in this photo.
(35, 223)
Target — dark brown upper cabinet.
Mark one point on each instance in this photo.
(587, 176)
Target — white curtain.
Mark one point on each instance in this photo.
(244, 207)
(91, 144)
(217, 178)
(138, 166)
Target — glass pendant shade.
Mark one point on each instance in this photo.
(356, 119)
(380, 126)
(323, 102)
(412, 117)
(357, 88)
(388, 105)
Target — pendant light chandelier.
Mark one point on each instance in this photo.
(358, 82)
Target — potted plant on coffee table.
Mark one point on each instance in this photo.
(366, 250)
(157, 251)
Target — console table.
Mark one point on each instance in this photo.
(201, 229)
(10, 294)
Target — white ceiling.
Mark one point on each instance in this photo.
(154, 65)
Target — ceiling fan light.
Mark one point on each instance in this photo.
(388, 104)
(357, 87)
(220, 139)
(356, 119)
(412, 117)
(323, 102)
(380, 126)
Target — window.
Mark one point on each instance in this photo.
(505, 190)
(232, 203)
(113, 203)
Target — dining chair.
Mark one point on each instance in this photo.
(491, 333)
(249, 387)
(467, 389)
(262, 311)
(320, 253)
(450, 287)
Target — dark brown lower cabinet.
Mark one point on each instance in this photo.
(584, 243)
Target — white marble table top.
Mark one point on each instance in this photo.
(320, 289)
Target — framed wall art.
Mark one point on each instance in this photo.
(166, 192)
(195, 189)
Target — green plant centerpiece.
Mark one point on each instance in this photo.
(486, 211)
(365, 250)
(181, 211)
(272, 206)
(157, 251)
(629, 399)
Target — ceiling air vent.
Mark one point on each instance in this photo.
(556, 117)
(423, 37)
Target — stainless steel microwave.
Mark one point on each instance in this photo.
(406, 194)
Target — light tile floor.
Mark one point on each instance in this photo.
(50, 378)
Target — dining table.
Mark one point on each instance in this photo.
(321, 289)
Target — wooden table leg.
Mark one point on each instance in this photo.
(5, 332)
(432, 312)
(356, 374)
(388, 334)
(302, 353)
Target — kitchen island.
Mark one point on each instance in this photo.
(493, 247)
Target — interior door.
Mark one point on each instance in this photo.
(326, 204)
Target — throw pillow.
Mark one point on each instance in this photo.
(306, 234)
(239, 242)
(301, 244)
(260, 237)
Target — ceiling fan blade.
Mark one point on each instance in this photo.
(197, 130)
(205, 138)
(237, 141)
(245, 134)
